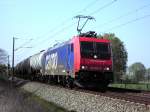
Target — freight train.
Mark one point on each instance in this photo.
(84, 61)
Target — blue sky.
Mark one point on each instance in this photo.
(47, 22)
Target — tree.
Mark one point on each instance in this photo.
(3, 61)
(3, 68)
(148, 74)
(3, 56)
(120, 55)
(138, 71)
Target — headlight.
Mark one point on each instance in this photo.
(107, 68)
(83, 67)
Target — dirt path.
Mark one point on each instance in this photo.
(14, 100)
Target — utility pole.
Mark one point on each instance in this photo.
(13, 56)
(13, 51)
(8, 66)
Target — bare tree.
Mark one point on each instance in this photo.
(3, 57)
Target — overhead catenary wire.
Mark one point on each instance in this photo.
(90, 4)
(96, 11)
(25, 43)
(122, 16)
(103, 7)
(69, 19)
(59, 31)
(128, 22)
(123, 24)
(53, 35)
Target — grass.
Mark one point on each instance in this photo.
(3, 76)
(132, 86)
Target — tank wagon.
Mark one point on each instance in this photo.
(37, 65)
(22, 69)
(84, 60)
(32, 67)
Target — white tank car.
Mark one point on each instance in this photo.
(37, 62)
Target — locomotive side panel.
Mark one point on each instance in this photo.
(59, 61)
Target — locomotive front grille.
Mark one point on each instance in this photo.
(92, 76)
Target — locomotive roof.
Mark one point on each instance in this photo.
(57, 45)
(93, 39)
(38, 53)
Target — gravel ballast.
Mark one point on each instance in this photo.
(80, 101)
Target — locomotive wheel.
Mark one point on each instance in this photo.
(103, 87)
(32, 78)
(63, 81)
(70, 83)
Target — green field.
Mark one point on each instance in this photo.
(132, 86)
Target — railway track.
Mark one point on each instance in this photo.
(132, 97)
(136, 96)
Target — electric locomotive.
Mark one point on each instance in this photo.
(85, 61)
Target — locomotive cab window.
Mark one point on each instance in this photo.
(86, 46)
(103, 50)
(90, 49)
(102, 47)
(87, 49)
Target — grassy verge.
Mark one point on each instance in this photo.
(48, 106)
(132, 86)
(27, 101)
(3, 76)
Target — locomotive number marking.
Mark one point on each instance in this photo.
(52, 61)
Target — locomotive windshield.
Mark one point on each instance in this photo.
(96, 50)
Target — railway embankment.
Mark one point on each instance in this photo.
(14, 99)
(81, 101)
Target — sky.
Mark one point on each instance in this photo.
(42, 23)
